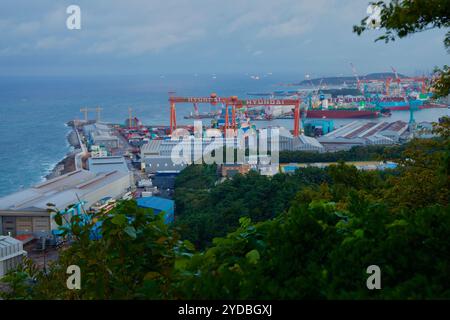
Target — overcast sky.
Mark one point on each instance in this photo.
(203, 36)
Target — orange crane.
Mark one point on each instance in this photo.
(422, 80)
(234, 103)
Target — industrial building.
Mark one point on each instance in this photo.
(25, 212)
(359, 133)
(100, 134)
(230, 170)
(157, 155)
(164, 180)
(287, 142)
(162, 163)
(11, 254)
(98, 151)
(108, 164)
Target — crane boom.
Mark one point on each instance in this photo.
(358, 81)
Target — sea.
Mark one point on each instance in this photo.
(34, 111)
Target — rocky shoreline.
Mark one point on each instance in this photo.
(67, 164)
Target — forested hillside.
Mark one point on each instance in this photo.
(310, 235)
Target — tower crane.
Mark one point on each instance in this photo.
(98, 110)
(85, 111)
(397, 79)
(358, 81)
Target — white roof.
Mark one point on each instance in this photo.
(282, 131)
(358, 130)
(152, 146)
(107, 164)
(10, 247)
(310, 140)
(61, 191)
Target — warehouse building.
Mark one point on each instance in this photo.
(100, 134)
(287, 142)
(360, 133)
(25, 212)
(106, 140)
(108, 164)
(162, 163)
(230, 170)
(305, 143)
(157, 155)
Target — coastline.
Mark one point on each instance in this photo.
(67, 164)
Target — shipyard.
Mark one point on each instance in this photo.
(197, 152)
(115, 161)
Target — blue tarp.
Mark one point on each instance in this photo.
(158, 204)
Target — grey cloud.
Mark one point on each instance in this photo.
(202, 35)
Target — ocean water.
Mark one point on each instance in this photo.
(34, 110)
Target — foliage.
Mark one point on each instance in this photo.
(357, 153)
(401, 18)
(131, 256)
(316, 243)
(441, 81)
(205, 214)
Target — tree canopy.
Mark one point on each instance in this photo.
(317, 245)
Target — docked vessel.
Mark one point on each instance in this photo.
(342, 113)
(394, 105)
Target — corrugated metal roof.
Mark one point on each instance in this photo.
(61, 191)
(107, 164)
(396, 126)
(310, 140)
(152, 146)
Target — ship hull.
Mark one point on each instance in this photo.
(406, 107)
(342, 114)
(398, 108)
(433, 106)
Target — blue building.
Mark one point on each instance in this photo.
(158, 205)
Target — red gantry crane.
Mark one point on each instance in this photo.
(235, 104)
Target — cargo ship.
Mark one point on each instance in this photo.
(394, 105)
(404, 105)
(341, 113)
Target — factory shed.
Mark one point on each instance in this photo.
(154, 164)
(159, 205)
(359, 133)
(107, 164)
(305, 143)
(25, 211)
